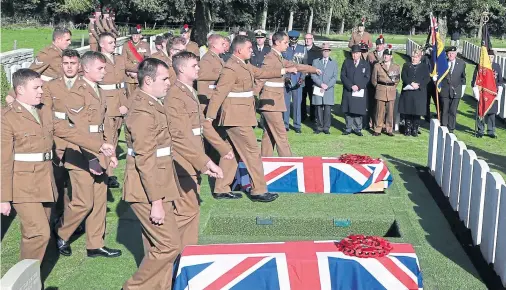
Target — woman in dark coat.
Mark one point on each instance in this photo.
(413, 101)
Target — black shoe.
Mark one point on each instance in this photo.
(479, 135)
(451, 131)
(346, 133)
(227, 195)
(62, 245)
(493, 136)
(326, 132)
(359, 133)
(266, 197)
(113, 182)
(287, 129)
(103, 252)
(317, 132)
(390, 134)
(376, 134)
(297, 130)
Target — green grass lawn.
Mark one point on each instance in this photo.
(407, 203)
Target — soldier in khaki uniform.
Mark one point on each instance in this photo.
(211, 66)
(361, 37)
(98, 20)
(234, 95)
(93, 33)
(111, 22)
(272, 99)
(28, 128)
(48, 61)
(105, 20)
(86, 109)
(151, 184)
(191, 46)
(135, 50)
(112, 88)
(174, 46)
(187, 122)
(385, 77)
(373, 58)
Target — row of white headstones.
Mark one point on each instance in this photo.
(475, 192)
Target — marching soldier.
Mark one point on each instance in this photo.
(490, 116)
(361, 36)
(211, 66)
(190, 45)
(151, 184)
(272, 102)
(105, 20)
(112, 23)
(86, 110)
(98, 21)
(92, 33)
(174, 46)
(234, 95)
(136, 50)
(385, 77)
(48, 61)
(28, 128)
(260, 49)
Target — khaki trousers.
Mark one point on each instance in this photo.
(164, 245)
(381, 107)
(35, 232)
(275, 135)
(89, 201)
(115, 123)
(187, 210)
(244, 142)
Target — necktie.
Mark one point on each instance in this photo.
(69, 84)
(95, 88)
(451, 67)
(324, 63)
(34, 113)
(356, 63)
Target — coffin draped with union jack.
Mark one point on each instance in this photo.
(317, 175)
(295, 265)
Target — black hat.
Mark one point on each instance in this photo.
(451, 48)
(389, 50)
(98, 9)
(355, 48)
(185, 29)
(259, 33)
(136, 30)
(491, 52)
(380, 40)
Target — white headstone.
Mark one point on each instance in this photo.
(431, 160)
(12, 70)
(25, 275)
(463, 91)
(447, 164)
(26, 64)
(458, 151)
(493, 185)
(468, 158)
(440, 151)
(480, 169)
(500, 253)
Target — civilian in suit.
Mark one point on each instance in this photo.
(312, 52)
(227, 54)
(260, 49)
(293, 83)
(355, 75)
(451, 89)
(324, 82)
(490, 116)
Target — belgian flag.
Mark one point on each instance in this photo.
(485, 79)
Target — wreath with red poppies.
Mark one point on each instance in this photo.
(358, 159)
(364, 246)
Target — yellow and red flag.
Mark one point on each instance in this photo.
(485, 79)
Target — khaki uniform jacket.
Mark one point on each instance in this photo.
(85, 109)
(54, 97)
(112, 26)
(115, 74)
(374, 58)
(25, 181)
(187, 122)
(165, 58)
(210, 68)
(142, 48)
(153, 177)
(381, 76)
(193, 47)
(237, 77)
(47, 63)
(93, 33)
(273, 98)
(356, 38)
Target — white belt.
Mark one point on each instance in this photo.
(45, 78)
(212, 87)
(96, 128)
(197, 131)
(240, 95)
(112, 87)
(33, 157)
(60, 115)
(159, 152)
(274, 84)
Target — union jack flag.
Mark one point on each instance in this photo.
(294, 265)
(317, 175)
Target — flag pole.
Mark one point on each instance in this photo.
(435, 84)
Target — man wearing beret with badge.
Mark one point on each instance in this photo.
(191, 46)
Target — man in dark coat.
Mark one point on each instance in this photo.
(260, 49)
(490, 116)
(451, 89)
(312, 52)
(355, 75)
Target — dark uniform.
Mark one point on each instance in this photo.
(258, 55)
(314, 52)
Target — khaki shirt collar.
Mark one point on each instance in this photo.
(72, 80)
(109, 56)
(29, 108)
(233, 55)
(93, 85)
(159, 100)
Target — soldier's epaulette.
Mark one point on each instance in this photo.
(7, 108)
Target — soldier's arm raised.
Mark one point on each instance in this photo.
(224, 86)
(7, 158)
(266, 73)
(300, 67)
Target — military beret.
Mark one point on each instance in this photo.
(380, 40)
(389, 50)
(185, 29)
(355, 48)
(136, 30)
(259, 33)
(451, 48)
(293, 34)
(98, 9)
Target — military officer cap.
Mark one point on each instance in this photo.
(355, 48)
(389, 50)
(293, 34)
(363, 46)
(451, 48)
(185, 29)
(260, 33)
(136, 30)
(380, 40)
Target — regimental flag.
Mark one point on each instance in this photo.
(295, 265)
(317, 175)
(439, 61)
(485, 79)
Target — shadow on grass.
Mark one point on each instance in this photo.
(6, 222)
(415, 178)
